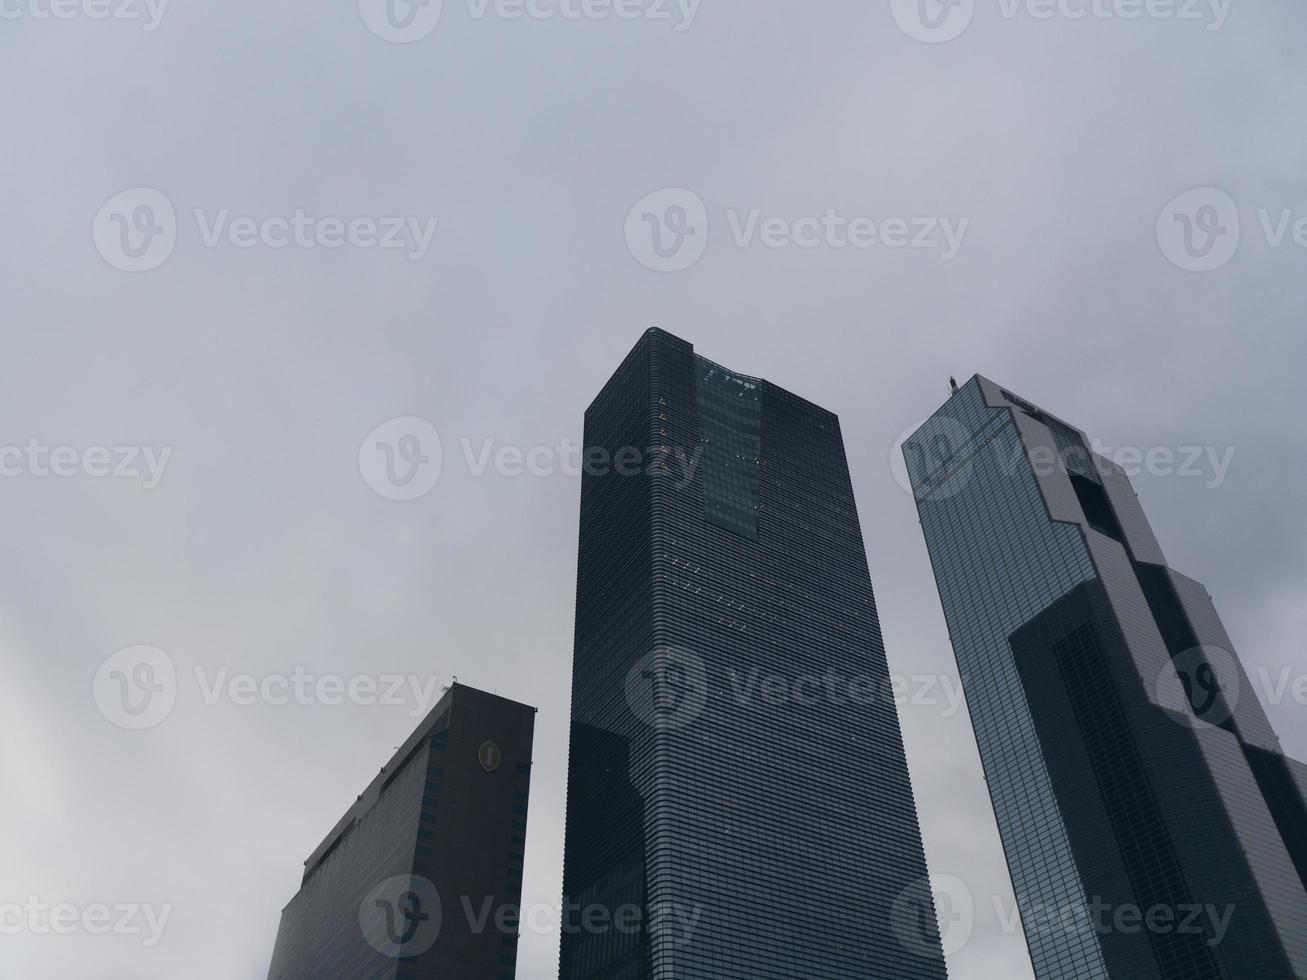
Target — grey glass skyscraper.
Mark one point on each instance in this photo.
(1153, 827)
(737, 796)
(422, 877)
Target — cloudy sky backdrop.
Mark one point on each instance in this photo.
(1058, 143)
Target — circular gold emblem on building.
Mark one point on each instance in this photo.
(490, 757)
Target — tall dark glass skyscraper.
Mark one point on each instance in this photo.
(422, 877)
(1153, 827)
(737, 796)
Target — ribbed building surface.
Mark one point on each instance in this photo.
(422, 877)
(736, 768)
(1153, 828)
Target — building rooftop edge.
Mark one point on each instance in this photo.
(369, 795)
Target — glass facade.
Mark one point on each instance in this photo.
(422, 878)
(1123, 769)
(737, 773)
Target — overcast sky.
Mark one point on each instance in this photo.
(972, 190)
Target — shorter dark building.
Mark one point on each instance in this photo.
(422, 878)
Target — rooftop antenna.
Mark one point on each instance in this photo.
(953, 385)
